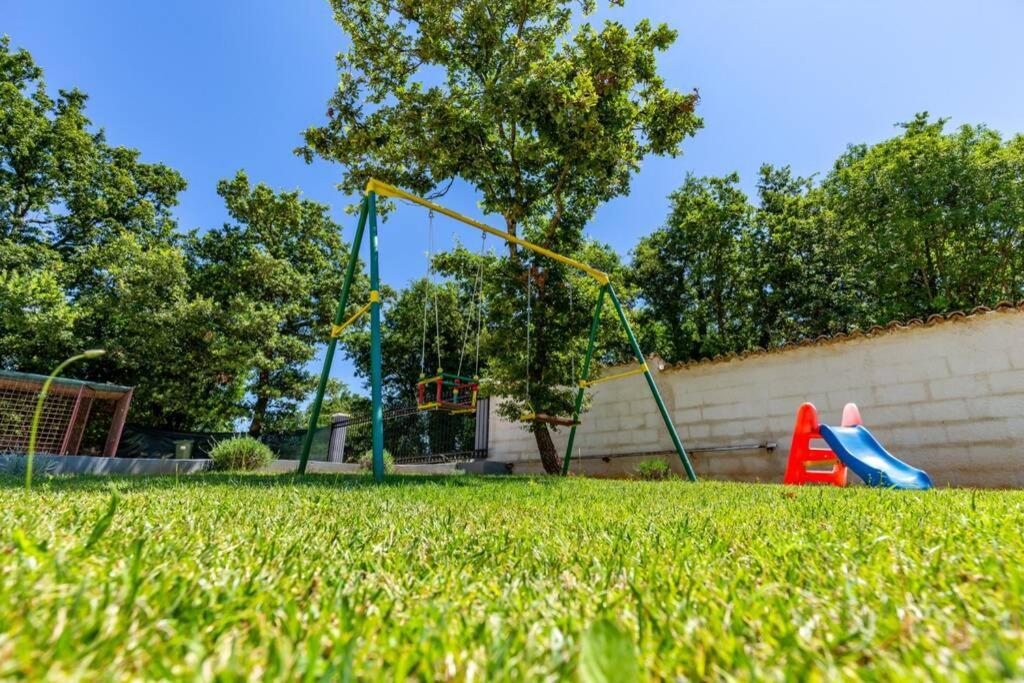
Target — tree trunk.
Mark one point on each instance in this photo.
(548, 455)
(510, 228)
(259, 410)
(545, 447)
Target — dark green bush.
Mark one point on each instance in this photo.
(241, 453)
(654, 469)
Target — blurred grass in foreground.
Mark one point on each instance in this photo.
(261, 576)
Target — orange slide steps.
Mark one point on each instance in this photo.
(803, 456)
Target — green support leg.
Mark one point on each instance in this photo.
(654, 387)
(586, 375)
(375, 369)
(339, 317)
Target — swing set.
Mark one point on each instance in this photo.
(455, 392)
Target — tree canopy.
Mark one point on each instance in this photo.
(925, 222)
(274, 273)
(546, 117)
(210, 327)
(89, 257)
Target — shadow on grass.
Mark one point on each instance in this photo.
(333, 480)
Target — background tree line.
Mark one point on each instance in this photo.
(212, 327)
(926, 222)
(218, 326)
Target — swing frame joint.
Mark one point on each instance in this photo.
(336, 330)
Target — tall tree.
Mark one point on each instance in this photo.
(800, 262)
(207, 328)
(275, 273)
(937, 217)
(546, 121)
(61, 184)
(693, 280)
(89, 257)
(925, 222)
(161, 336)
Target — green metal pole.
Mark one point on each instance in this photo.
(375, 370)
(654, 387)
(339, 317)
(586, 375)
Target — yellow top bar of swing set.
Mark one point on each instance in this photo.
(386, 190)
(619, 375)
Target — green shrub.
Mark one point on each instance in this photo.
(366, 462)
(241, 453)
(654, 469)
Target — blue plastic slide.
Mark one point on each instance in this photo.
(862, 453)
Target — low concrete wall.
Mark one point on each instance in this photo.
(313, 466)
(53, 465)
(88, 464)
(946, 396)
(353, 468)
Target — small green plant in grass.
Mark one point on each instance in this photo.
(654, 470)
(241, 453)
(366, 462)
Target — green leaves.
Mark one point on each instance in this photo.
(275, 274)
(36, 320)
(692, 273)
(938, 216)
(89, 257)
(923, 223)
(607, 655)
(60, 182)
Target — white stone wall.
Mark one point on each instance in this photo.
(946, 397)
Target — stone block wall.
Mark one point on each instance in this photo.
(946, 396)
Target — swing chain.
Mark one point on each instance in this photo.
(433, 286)
(480, 307)
(529, 315)
(477, 299)
(426, 300)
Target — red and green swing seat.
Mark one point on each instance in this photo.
(449, 392)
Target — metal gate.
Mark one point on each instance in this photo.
(415, 436)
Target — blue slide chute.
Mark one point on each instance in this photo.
(861, 452)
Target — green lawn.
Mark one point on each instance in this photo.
(472, 578)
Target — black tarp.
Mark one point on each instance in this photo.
(146, 442)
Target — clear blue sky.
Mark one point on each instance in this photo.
(212, 86)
